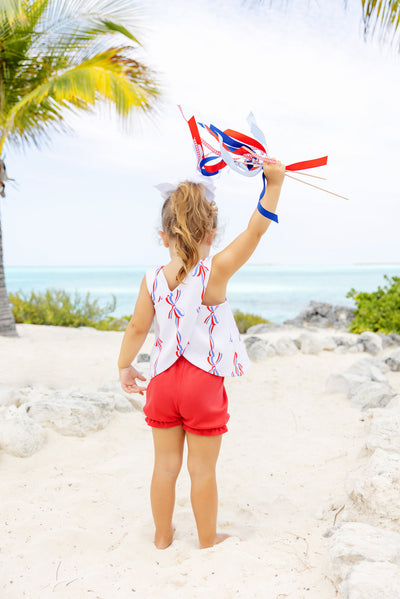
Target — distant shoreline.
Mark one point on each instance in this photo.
(294, 266)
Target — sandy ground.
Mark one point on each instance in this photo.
(76, 517)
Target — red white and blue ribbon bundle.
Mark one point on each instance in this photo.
(242, 153)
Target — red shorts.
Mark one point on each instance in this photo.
(189, 396)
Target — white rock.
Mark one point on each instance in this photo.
(371, 395)
(371, 580)
(122, 404)
(375, 488)
(285, 346)
(20, 435)
(270, 349)
(385, 430)
(310, 344)
(344, 382)
(327, 343)
(358, 347)
(368, 368)
(256, 348)
(393, 360)
(394, 403)
(351, 542)
(372, 342)
(72, 413)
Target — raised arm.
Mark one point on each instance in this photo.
(229, 260)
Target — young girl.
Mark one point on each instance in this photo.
(196, 345)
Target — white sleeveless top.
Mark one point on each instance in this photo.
(207, 336)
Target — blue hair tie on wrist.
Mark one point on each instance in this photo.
(266, 213)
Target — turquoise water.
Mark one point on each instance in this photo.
(275, 292)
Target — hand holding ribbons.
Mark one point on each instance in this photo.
(243, 154)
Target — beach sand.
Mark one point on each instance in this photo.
(76, 517)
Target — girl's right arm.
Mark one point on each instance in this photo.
(229, 260)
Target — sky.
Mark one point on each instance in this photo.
(315, 87)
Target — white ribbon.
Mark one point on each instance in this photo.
(167, 188)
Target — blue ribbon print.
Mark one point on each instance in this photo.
(200, 271)
(176, 313)
(158, 345)
(212, 359)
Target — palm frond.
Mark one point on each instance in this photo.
(55, 58)
(109, 77)
(381, 17)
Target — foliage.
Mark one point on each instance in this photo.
(60, 57)
(381, 16)
(244, 320)
(56, 307)
(377, 311)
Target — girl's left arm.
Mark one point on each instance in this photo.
(134, 337)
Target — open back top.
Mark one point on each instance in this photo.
(207, 336)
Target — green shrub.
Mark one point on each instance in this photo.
(245, 321)
(378, 311)
(56, 307)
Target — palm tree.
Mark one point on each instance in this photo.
(59, 57)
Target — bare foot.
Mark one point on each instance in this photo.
(219, 537)
(164, 541)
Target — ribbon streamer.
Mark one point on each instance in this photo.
(242, 153)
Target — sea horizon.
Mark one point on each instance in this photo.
(277, 292)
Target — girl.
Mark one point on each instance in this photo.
(197, 344)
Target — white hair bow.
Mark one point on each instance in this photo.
(167, 188)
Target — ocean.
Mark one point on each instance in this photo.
(273, 291)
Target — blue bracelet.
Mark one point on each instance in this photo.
(266, 213)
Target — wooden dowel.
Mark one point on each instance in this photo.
(316, 186)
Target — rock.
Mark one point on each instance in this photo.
(371, 395)
(386, 340)
(393, 360)
(72, 413)
(143, 358)
(394, 403)
(372, 342)
(122, 404)
(352, 542)
(309, 344)
(20, 436)
(395, 338)
(270, 349)
(345, 382)
(328, 343)
(371, 580)
(358, 347)
(345, 344)
(368, 369)
(284, 346)
(259, 329)
(375, 488)
(385, 430)
(321, 314)
(256, 348)
(343, 316)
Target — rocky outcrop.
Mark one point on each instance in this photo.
(321, 314)
(69, 412)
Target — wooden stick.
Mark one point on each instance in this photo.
(316, 186)
(309, 175)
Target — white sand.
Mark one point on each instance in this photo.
(76, 518)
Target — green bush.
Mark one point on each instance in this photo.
(244, 320)
(378, 311)
(56, 307)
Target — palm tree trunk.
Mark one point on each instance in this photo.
(7, 323)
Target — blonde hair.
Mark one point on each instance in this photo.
(187, 216)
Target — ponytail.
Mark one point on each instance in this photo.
(187, 217)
